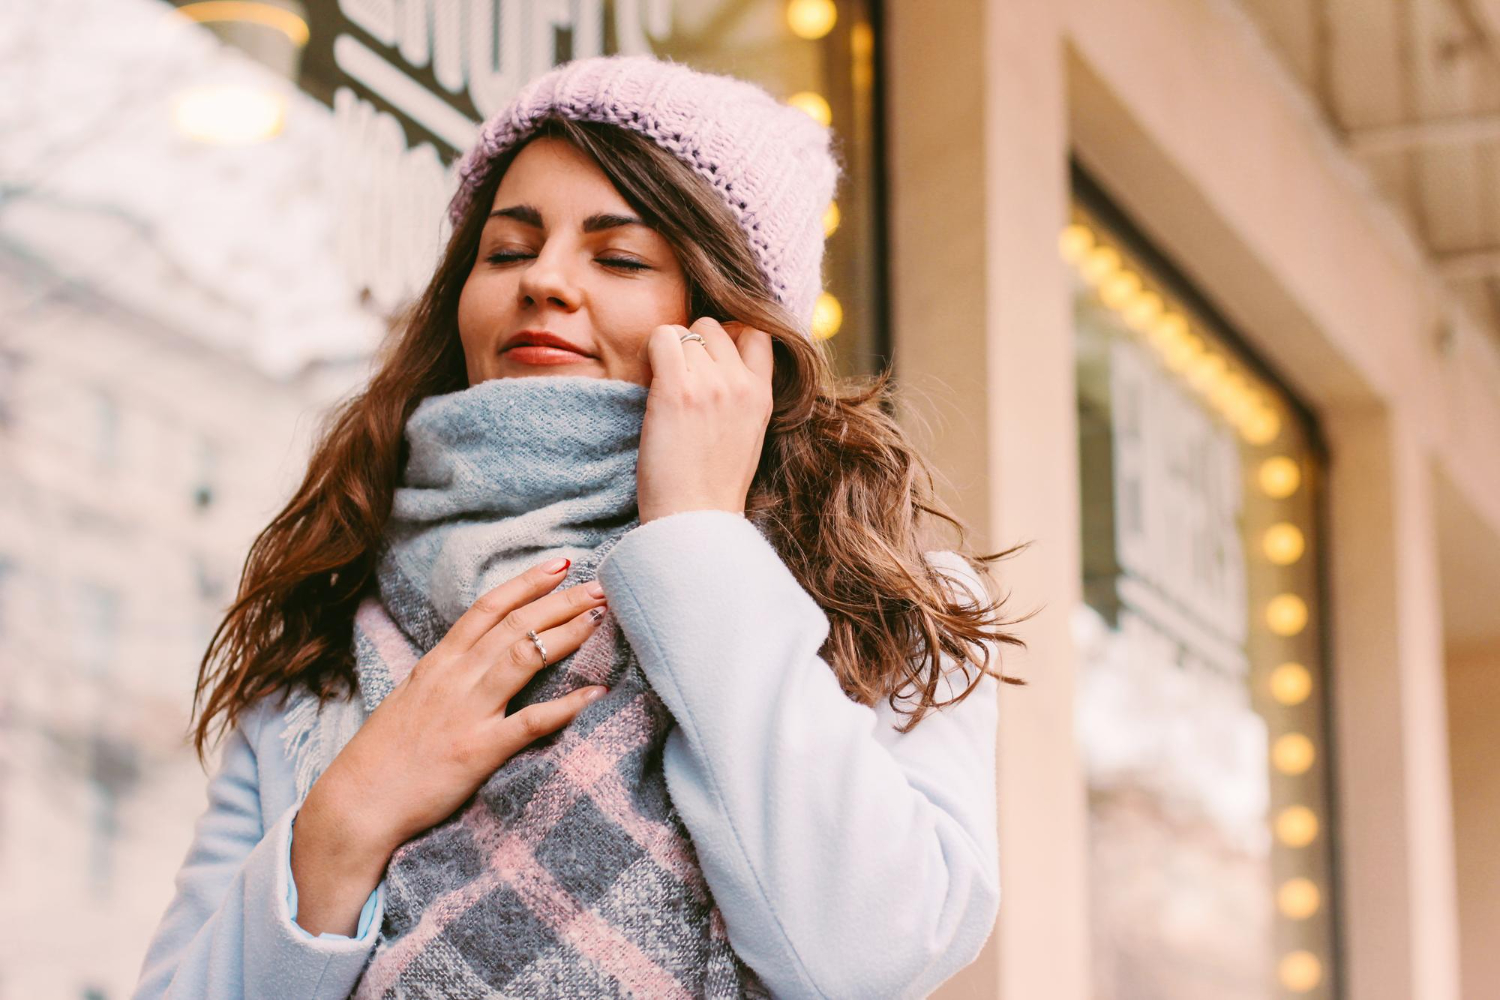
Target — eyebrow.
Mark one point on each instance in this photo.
(528, 215)
(524, 214)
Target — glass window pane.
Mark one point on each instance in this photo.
(1201, 704)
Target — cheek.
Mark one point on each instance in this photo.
(483, 308)
(639, 308)
(665, 302)
(626, 316)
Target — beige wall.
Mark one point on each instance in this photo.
(1196, 131)
(1474, 690)
(981, 319)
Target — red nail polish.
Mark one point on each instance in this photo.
(557, 565)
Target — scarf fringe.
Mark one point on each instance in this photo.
(314, 736)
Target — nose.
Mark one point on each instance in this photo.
(548, 280)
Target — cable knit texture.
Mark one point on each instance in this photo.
(770, 162)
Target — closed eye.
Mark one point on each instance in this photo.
(624, 263)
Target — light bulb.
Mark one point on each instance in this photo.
(1296, 826)
(1300, 971)
(1283, 543)
(811, 19)
(1263, 426)
(1075, 241)
(814, 105)
(828, 316)
(1099, 263)
(1291, 684)
(1293, 753)
(1143, 310)
(1298, 898)
(1286, 615)
(1119, 288)
(1279, 477)
(229, 114)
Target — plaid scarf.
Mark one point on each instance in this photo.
(569, 873)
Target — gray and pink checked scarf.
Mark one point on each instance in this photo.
(569, 873)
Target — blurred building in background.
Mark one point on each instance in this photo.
(173, 324)
(1199, 295)
(139, 463)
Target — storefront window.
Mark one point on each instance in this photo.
(1201, 703)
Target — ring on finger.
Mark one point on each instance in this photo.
(691, 335)
(531, 634)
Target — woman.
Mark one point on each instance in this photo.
(749, 748)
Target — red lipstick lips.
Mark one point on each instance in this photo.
(539, 347)
(542, 338)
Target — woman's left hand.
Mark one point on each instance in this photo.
(706, 417)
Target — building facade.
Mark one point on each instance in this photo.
(1333, 816)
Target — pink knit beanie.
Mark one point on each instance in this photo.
(770, 162)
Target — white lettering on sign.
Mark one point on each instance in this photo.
(490, 47)
(393, 219)
(360, 62)
(1178, 499)
(628, 24)
(392, 202)
(378, 17)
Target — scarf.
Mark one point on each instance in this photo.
(569, 873)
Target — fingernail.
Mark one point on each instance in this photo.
(596, 589)
(556, 565)
(596, 614)
(595, 693)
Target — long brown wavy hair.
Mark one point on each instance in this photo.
(839, 490)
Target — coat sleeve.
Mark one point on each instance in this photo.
(848, 860)
(230, 930)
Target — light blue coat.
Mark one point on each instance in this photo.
(849, 861)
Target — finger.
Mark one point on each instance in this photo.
(542, 613)
(736, 329)
(694, 352)
(515, 669)
(665, 353)
(496, 603)
(514, 732)
(716, 341)
(755, 351)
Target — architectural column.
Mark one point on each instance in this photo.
(983, 346)
(1473, 707)
(1395, 810)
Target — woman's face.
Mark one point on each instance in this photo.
(564, 256)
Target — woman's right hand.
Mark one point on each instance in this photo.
(435, 738)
